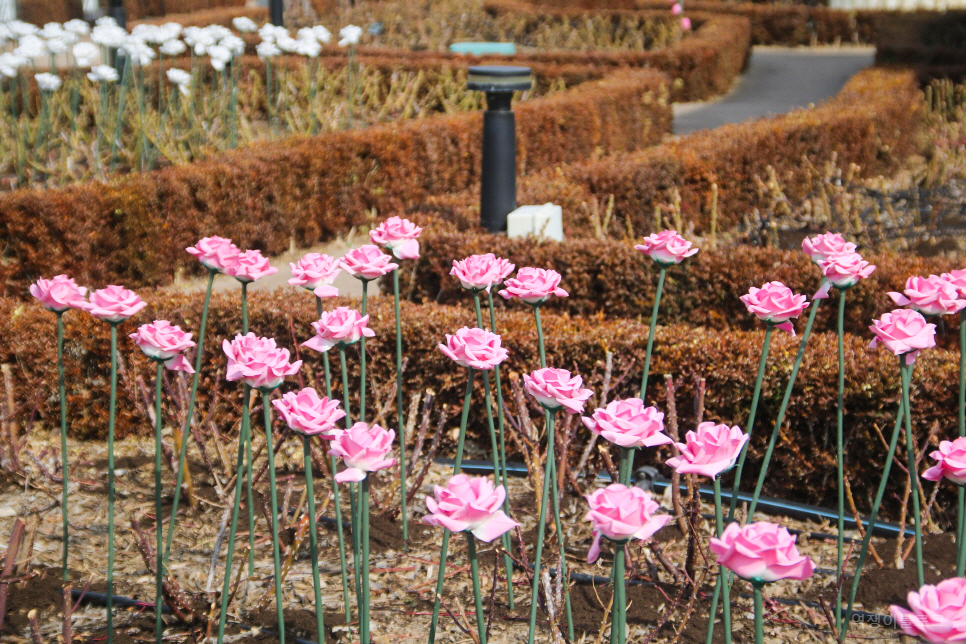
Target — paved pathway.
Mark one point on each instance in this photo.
(778, 79)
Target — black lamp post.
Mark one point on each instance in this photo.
(275, 9)
(498, 196)
(116, 10)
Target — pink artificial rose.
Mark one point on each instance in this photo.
(258, 362)
(367, 263)
(958, 279)
(363, 448)
(710, 450)
(114, 304)
(481, 272)
(216, 253)
(308, 414)
(398, 235)
(950, 462)
(59, 294)
(761, 552)
(556, 389)
(843, 270)
(533, 286)
(164, 341)
(938, 613)
(904, 332)
(667, 247)
(316, 272)
(931, 295)
(250, 266)
(676, 10)
(474, 348)
(339, 328)
(628, 423)
(469, 504)
(821, 247)
(776, 304)
(686, 24)
(620, 513)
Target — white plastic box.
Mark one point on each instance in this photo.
(542, 221)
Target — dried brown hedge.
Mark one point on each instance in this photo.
(221, 16)
(303, 189)
(140, 9)
(40, 12)
(728, 360)
(873, 122)
(611, 278)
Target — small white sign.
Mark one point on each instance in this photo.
(544, 221)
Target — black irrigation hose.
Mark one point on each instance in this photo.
(649, 477)
(127, 602)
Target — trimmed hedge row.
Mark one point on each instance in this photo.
(728, 360)
(873, 122)
(303, 190)
(221, 16)
(612, 279)
(40, 12)
(139, 9)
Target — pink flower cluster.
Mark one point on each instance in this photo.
(363, 448)
(557, 389)
(933, 295)
(164, 341)
(667, 248)
(904, 332)
(221, 255)
(114, 304)
(398, 235)
(481, 272)
(776, 304)
(339, 328)
(628, 423)
(533, 286)
(761, 553)
(316, 272)
(306, 413)
(709, 450)
(950, 462)
(59, 294)
(936, 614)
(367, 263)
(621, 513)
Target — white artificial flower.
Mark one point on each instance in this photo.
(173, 47)
(105, 21)
(219, 56)
(57, 45)
(191, 34)
(322, 34)
(234, 44)
(108, 35)
(287, 44)
(308, 48)
(140, 52)
(244, 24)
(77, 26)
(48, 82)
(350, 35)
(51, 30)
(180, 79)
(31, 47)
(85, 53)
(271, 33)
(217, 32)
(267, 50)
(10, 64)
(172, 29)
(103, 74)
(149, 33)
(305, 33)
(21, 28)
(5, 33)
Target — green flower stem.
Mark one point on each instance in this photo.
(243, 437)
(249, 475)
(233, 106)
(722, 575)
(63, 443)
(364, 619)
(762, 362)
(122, 97)
(563, 553)
(626, 463)
(110, 487)
(275, 548)
(441, 575)
(314, 540)
(840, 461)
(784, 407)
(477, 594)
(186, 432)
(961, 559)
(541, 526)
(335, 486)
(870, 526)
(650, 335)
(618, 626)
(362, 360)
(540, 342)
(399, 388)
(159, 572)
(906, 372)
(759, 614)
(497, 452)
(353, 505)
